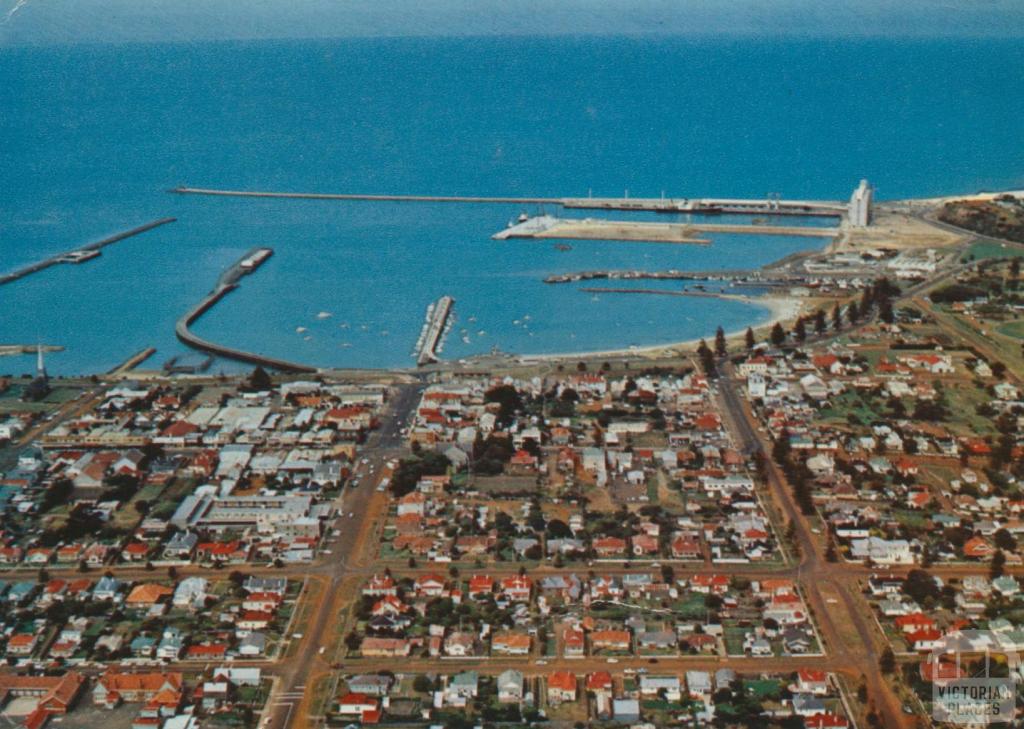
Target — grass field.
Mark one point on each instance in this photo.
(983, 250)
(1013, 329)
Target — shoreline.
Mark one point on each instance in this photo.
(779, 309)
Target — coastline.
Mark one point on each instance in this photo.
(780, 309)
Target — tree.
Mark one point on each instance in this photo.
(885, 312)
(837, 318)
(996, 568)
(720, 348)
(749, 338)
(887, 661)
(1005, 540)
(422, 684)
(819, 321)
(507, 397)
(852, 312)
(59, 493)
(866, 299)
(259, 380)
(778, 335)
(707, 359)
(830, 552)
(920, 586)
(799, 331)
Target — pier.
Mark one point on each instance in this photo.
(662, 292)
(13, 350)
(82, 253)
(132, 362)
(228, 282)
(694, 206)
(738, 277)
(431, 338)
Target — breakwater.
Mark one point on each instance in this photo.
(228, 282)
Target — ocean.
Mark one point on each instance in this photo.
(95, 135)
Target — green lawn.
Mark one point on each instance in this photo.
(1013, 329)
(983, 250)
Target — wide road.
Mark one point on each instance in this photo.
(837, 617)
(348, 546)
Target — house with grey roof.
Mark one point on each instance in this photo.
(510, 687)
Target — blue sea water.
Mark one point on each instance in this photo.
(94, 135)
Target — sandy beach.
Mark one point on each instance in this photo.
(781, 309)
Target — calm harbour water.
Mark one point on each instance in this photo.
(95, 135)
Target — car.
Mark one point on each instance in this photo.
(542, 662)
(612, 660)
(652, 660)
(325, 551)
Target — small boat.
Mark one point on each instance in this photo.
(324, 315)
(300, 330)
(563, 247)
(523, 217)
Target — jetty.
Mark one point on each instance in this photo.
(13, 350)
(82, 253)
(738, 277)
(662, 292)
(132, 362)
(228, 282)
(431, 339)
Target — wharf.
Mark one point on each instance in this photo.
(228, 282)
(429, 344)
(82, 253)
(547, 226)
